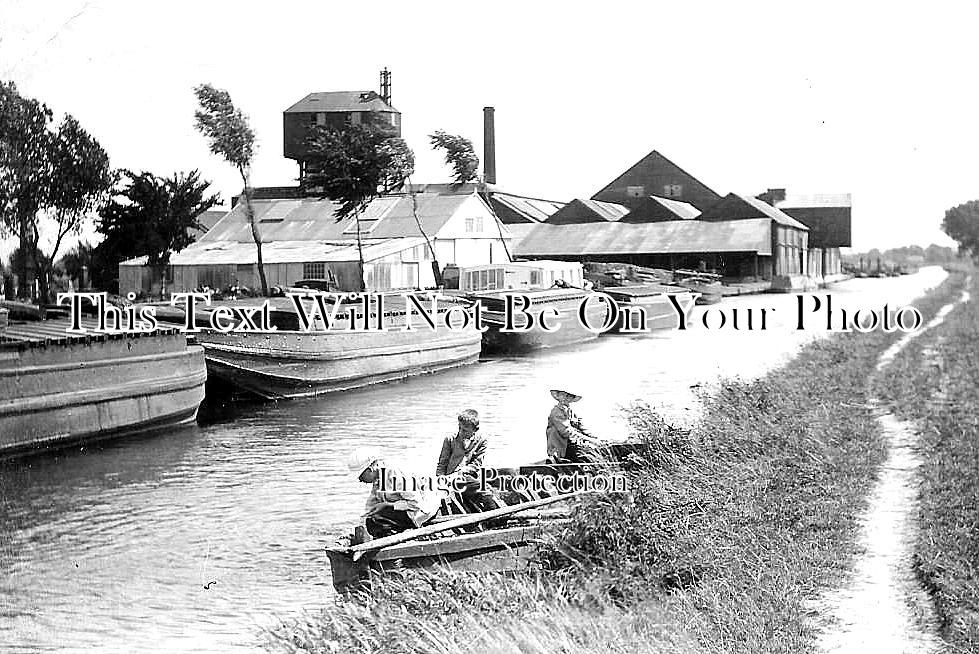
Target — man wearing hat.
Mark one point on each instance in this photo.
(394, 503)
(567, 439)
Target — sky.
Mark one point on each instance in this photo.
(876, 99)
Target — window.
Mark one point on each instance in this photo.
(314, 270)
(411, 275)
(470, 224)
(395, 120)
(535, 278)
(479, 223)
(673, 190)
(314, 119)
(635, 191)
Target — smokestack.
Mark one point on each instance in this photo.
(386, 85)
(489, 146)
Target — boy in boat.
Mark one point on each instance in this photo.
(567, 439)
(462, 456)
(393, 505)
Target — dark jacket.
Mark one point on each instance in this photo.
(456, 458)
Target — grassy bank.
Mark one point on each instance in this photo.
(731, 529)
(935, 383)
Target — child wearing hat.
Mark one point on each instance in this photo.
(393, 505)
(567, 439)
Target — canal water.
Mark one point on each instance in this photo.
(198, 539)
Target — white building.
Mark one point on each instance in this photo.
(302, 239)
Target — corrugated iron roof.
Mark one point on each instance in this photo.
(520, 231)
(682, 210)
(534, 209)
(737, 207)
(315, 219)
(669, 237)
(327, 101)
(802, 201)
(607, 210)
(582, 211)
(777, 215)
(235, 252)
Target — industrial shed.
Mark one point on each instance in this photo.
(739, 247)
(302, 238)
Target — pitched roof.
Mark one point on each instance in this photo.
(738, 207)
(586, 211)
(517, 208)
(668, 237)
(327, 101)
(653, 171)
(234, 252)
(683, 210)
(312, 219)
(207, 220)
(654, 208)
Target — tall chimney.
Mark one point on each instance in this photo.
(489, 146)
(386, 85)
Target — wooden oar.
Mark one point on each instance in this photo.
(411, 534)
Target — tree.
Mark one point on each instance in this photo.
(23, 170)
(459, 154)
(961, 223)
(76, 261)
(152, 216)
(58, 176)
(353, 165)
(230, 137)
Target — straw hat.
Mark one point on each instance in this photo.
(361, 459)
(564, 396)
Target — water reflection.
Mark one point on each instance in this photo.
(194, 539)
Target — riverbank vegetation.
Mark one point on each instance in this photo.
(731, 530)
(936, 385)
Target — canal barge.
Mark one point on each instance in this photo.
(647, 307)
(291, 362)
(59, 388)
(553, 290)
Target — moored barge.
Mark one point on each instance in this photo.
(647, 307)
(59, 388)
(552, 290)
(290, 362)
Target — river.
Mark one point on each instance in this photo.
(197, 539)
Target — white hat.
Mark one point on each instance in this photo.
(361, 459)
(562, 395)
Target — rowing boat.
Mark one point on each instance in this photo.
(501, 540)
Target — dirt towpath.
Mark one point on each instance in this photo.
(884, 608)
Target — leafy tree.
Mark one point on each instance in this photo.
(353, 165)
(46, 176)
(24, 146)
(151, 216)
(459, 155)
(230, 137)
(962, 224)
(77, 259)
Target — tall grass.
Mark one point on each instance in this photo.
(730, 530)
